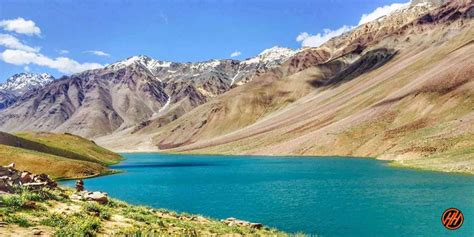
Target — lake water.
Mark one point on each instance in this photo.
(324, 196)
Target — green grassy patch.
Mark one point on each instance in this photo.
(62, 156)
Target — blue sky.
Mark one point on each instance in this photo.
(62, 37)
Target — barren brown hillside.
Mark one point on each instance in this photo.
(398, 89)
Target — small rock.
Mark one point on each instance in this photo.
(5, 186)
(236, 222)
(184, 218)
(94, 213)
(97, 196)
(200, 219)
(256, 225)
(4, 171)
(29, 204)
(76, 197)
(37, 232)
(25, 177)
(15, 178)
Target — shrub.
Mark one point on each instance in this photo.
(116, 203)
(105, 215)
(54, 220)
(18, 219)
(80, 226)
(75, 225)
(94, 207)
(30, 196)
(13, 201)
(140, 213)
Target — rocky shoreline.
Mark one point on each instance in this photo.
(34, 204)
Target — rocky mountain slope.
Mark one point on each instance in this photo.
(398, 88)
(19, 84)
(130, 92)
(6, 99)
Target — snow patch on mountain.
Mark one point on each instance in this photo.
(272, 57)
(204, 66)
(147, 62)
(23, 82)
(233, 71)
(167, 104)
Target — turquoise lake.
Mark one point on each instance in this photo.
(322, 195)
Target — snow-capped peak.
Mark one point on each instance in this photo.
(22, 82)
(274, 55)
(276, 52)
(206, 65)
(149, 63)
(236, 71)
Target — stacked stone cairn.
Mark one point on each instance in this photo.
(11, 178)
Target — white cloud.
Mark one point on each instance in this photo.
(98, 53)
(9, 41)
(62, 64)
(18, 53)
(164, 17)
(382, 11)
(316, 40)
(63, 51)
(20, 26)
(235, 54)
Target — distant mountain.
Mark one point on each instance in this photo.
(19, 84)
(236, 71)
(130, 92)
(23, 82)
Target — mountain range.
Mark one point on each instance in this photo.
(126, 93)
(398, 88)
(20, 83)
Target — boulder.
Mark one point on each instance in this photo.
(76, 197)
(236, 222)
(99, 197)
